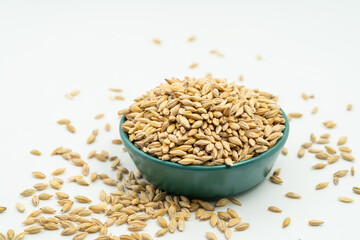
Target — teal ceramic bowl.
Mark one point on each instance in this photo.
(205, 181)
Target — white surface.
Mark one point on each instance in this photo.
(48, 48)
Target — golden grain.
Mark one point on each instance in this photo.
(34, 229)
(345, 199)
(315, 222)
(210, 236)
(70, 128)
(20, 207)
(347, 156)
(321, 185)
(301, 152)
(342, 140)
(314, 110)
(242, 226)
(35, 152)
(293, 195)
(319, 166)
(58, 171)
(286, 222)
(274, 209)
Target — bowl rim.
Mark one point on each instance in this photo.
(278, 144)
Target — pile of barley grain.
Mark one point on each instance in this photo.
(205, 121)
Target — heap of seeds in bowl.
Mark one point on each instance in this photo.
(205, 121)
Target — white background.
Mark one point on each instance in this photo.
(49, 48)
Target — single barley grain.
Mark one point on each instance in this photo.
(35, 152)
(34, 229)
(356, 190)
(293, 195)
(340, 173)
(321, 185)
(194, 65)
(333, 159)
(319, 166)
(347, 156)
(349, 107)
(107, 127)
(314, 110)
(345, 199)
(58, 171)
(20, 236)
(330, 149)
(38, 175)
(2, 209)
(222, 202)
(70, 128)
(276, 179)
(10, 233)
(322, 141)
(305, 96)
(284, 151)
(82, 199)
(336, 180)
(161, 232)
(301, 152)
(64, 121)
(306, 145)
(286, 222)
(35, 200)
(91, 139)
(352, 170)
(40, 186)
(322, 156)
(236, 201)
(99, 116)
(315, 222)
(329, 124)
(80, 236)
(242, 226)
(156, 41)
(274, 209)
(295, 115)
(191, 39)
(345, 149)
(210, 236)
(233, 222)
(312, 138)
(342, 140)
(27, 192)
(116, 141)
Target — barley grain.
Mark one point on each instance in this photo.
(2, 209)
(34, 229)
(293, 195)
(35, 152)
(342, 140)
(347, 156)
(20, 207)
(242, 226)
(274, 209)
(321, 185)
(345, 199)
(286, 222)
(58, 171)
(314, 110)
(315, 222)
